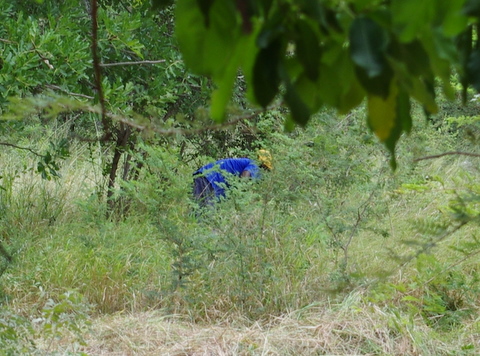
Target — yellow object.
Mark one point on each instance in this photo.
(265, 158)
(382, 113)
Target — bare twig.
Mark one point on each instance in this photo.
(360, 212)
(131, 63)
(56, 87)
(153, 128)
(452, 153)
(170, 132)
(7, 41)
(425, 248)
(42, 57)
(21, 148)
(451, 266)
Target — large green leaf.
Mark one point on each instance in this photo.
(352, 97)
(207, 50)
(410, 17)
(244, 52)
(452, 19)
(379, 85)
(307, 90)
(403, 123)
(439, 59)
(382, 114)
(337, 85)
(389, 117)
(414, 55)
(368, 42)
(214, 48)
(266, 77)
(307, 48)
(417, 85)
(298, 109)
(326, 18)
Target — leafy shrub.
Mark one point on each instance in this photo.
(64, 318)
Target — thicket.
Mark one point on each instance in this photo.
(330, 219)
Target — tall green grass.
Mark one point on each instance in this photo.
(330, 220)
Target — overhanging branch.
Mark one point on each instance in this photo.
(21, 148)
(131, 63)
(452, 153)
(170, 132)
(56, 87)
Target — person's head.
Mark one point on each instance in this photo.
(265, 159)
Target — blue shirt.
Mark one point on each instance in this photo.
(215, 172)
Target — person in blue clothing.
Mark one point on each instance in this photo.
(210, 181)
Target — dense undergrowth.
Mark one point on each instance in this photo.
(330, 253)
(331, 221)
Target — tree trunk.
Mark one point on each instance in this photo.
(124, 133)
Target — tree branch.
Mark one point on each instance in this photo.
(170, 132)
(56, 87)
(360, 212)
(7, 41)
(21, 148)
(131, 63)
(452, 153)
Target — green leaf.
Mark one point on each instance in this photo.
(206, 50)
(205, 6)
(307, 48)
(325, 17)
(472, 8)
(403, 123)
(445, 46)
(439, 63)
(453, 20)
(464, 43)
(410, 17)
(410, 298)
(337, 85)
(307, 90)
(266, 78)
(245, 8)
(473, 69)
(368, 42)
(417, 86)
(298, 109)
(222, 95)
(272, 28)
(352, 97)
(414, 55)
(379, 85)
(403, 113)
(382, 114)
(289, 124)
(389, 117)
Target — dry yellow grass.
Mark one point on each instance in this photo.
(346, 329)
